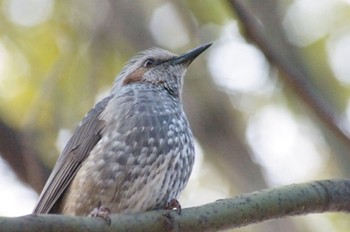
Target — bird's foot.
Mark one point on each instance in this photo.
(173, 204)
(102, 212)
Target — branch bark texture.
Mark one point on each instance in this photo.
(296, 199)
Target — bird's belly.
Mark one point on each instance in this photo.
(130, 177)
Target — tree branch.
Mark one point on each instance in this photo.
(296, 199)
(271, 40)
(16, 149)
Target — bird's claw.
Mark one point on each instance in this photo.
(102, 212)
(173, 204)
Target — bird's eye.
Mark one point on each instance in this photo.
(149, 63)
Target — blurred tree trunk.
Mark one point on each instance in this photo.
(17, 150)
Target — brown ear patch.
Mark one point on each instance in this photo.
(135, 76)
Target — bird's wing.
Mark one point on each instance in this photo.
(76, 151)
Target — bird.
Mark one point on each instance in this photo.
(134, 150)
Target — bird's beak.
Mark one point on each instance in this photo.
(188, 57)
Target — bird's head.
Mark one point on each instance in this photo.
(157, 67)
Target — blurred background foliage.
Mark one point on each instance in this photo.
(256, 125)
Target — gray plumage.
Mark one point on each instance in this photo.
(134, 150)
